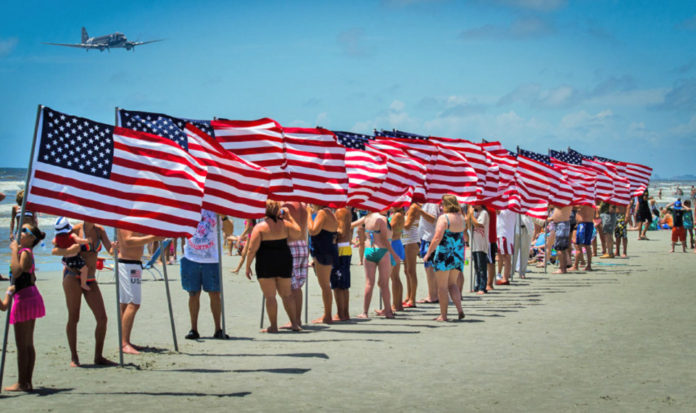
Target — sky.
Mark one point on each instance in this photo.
(609, 78)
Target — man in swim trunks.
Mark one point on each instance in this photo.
(426, 230)
(200, 267)
(130, 268)
(340, 273)
(300, 256)
(583, 237)
(608, 217)
(561, 221)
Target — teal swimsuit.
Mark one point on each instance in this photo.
(449, 254)
(374, 254)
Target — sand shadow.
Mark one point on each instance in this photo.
(154, 350)
(168, 393)
(301, 355)
(334, 340)
(275, 371)
(38, 391)
(334, 330)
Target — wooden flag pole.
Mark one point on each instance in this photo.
(118, 286)
(17, 236)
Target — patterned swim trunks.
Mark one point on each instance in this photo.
(620, 229)
(300, 259)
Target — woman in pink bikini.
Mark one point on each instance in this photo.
(28, 304)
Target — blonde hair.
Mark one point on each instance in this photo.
(450, 203)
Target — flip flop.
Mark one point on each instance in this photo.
(426, 301)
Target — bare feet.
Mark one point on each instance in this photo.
(380, 312)
(102, 361)
(480, 292)
(270, 330)
(489, 288)
(322, 320)
(129, 349)
(573, 268)
(337, 318)
(558, 272)
(19, 387)
(588, 268)
(461, 315)
(440, 318)
(75, 362)
(364, 316)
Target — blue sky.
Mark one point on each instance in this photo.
(612, 78)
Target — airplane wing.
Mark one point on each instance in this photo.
(79, 45)
(133, 44)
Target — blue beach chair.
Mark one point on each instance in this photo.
(150, 264)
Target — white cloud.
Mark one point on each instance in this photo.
(7, 46)
(584, 120)
(538, 5)
(684, 129)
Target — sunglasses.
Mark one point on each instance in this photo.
(27, 231)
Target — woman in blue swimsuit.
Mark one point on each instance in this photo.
(446, 252)
(377, 248)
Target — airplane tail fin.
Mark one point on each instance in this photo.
(84, 35)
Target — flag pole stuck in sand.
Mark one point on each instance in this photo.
(118, 287)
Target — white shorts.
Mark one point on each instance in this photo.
(129, 277)
(505, 247)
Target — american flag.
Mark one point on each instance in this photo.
(638, 176)
(161, 124)
(506, 189)
(258, 141)
(582, 179)
(366, 170)
(539, 184)
(114, 176)
(405, 180)
(610, 187)
(233, 186)
(316, 163)
(476, 158)
(447, 170)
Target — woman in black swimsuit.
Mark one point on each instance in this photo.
(323, 229)
(268, 244)
(73, 292)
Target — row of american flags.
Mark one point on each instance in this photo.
(153, 172)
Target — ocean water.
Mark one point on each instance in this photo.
(12, 180)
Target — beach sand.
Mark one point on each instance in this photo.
(617, 339)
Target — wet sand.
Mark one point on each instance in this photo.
(617, 339)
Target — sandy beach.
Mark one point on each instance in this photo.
(616, 339)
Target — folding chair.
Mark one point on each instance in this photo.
(150, 265)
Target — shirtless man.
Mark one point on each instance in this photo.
(300, 256)
(340, 274)
(561, 222)
(131, 247)
(583, 238)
